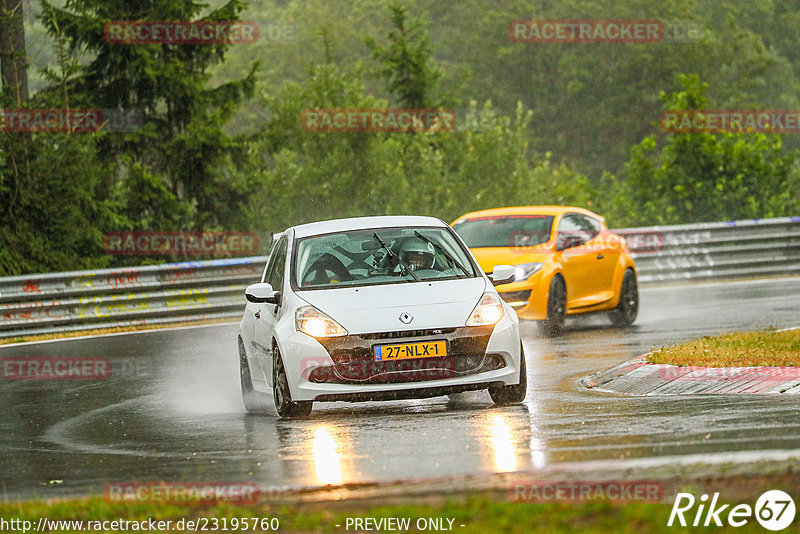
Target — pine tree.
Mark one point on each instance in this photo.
(406, 63)
(172, 169)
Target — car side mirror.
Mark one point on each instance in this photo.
(258, 293)
(503, 274)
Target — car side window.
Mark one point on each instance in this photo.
(576, 229)
(590, 226)
(269, 260)
(277, 265)
(569, 232)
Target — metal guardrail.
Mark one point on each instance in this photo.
(111, 298)
(151, 295)
(716, 251)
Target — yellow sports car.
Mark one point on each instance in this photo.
(567, 262)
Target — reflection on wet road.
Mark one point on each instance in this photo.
(171, 410)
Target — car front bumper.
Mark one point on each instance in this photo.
(343, 368)
(528, 297)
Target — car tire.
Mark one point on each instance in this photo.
(254, 401)
(286, 407)
(553, 325)
(628, 308)
(512, 394)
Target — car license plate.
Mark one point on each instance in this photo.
(404, 351)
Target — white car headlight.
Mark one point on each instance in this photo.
(524, 271)
(313, 322)
(488, 311)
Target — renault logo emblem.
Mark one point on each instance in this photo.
(406, 318)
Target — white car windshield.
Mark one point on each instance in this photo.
(379, 256)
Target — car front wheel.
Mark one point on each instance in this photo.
(556, 308)
(512, 394)
(284, 404)
(253, 400)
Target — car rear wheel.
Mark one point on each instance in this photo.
(283, 397)
(253, 400)
(556, 308)
(512, 394)
(628, 307)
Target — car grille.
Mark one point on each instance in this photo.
(408, 333)
(354, 362)
(416, 370)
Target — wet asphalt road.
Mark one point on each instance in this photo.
(171, 410)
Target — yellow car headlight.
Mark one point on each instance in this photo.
(488, 311)
(523, 271)
(313, 322)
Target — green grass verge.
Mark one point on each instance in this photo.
(746, 349)
(478, 514)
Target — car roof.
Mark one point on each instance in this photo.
(529, 210)
(360, 223)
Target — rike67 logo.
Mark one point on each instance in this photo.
(774, 510)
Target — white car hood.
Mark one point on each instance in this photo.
(366, 309)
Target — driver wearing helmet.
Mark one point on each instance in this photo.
(418, 254)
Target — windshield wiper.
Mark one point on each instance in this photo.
(443, 251)
(396, 258)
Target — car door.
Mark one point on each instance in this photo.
(591, 263)
(606, 251)
(577, 262)
(248, 326)
(266, 315)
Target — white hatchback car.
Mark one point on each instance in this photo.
(376, 308)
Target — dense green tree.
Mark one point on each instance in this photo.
(54, 191)
(406, 62)
(13, 59)
(53, 215)
(487, 162)
(179, 157)
(698, 177)
(539, 123)
(591, 102)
